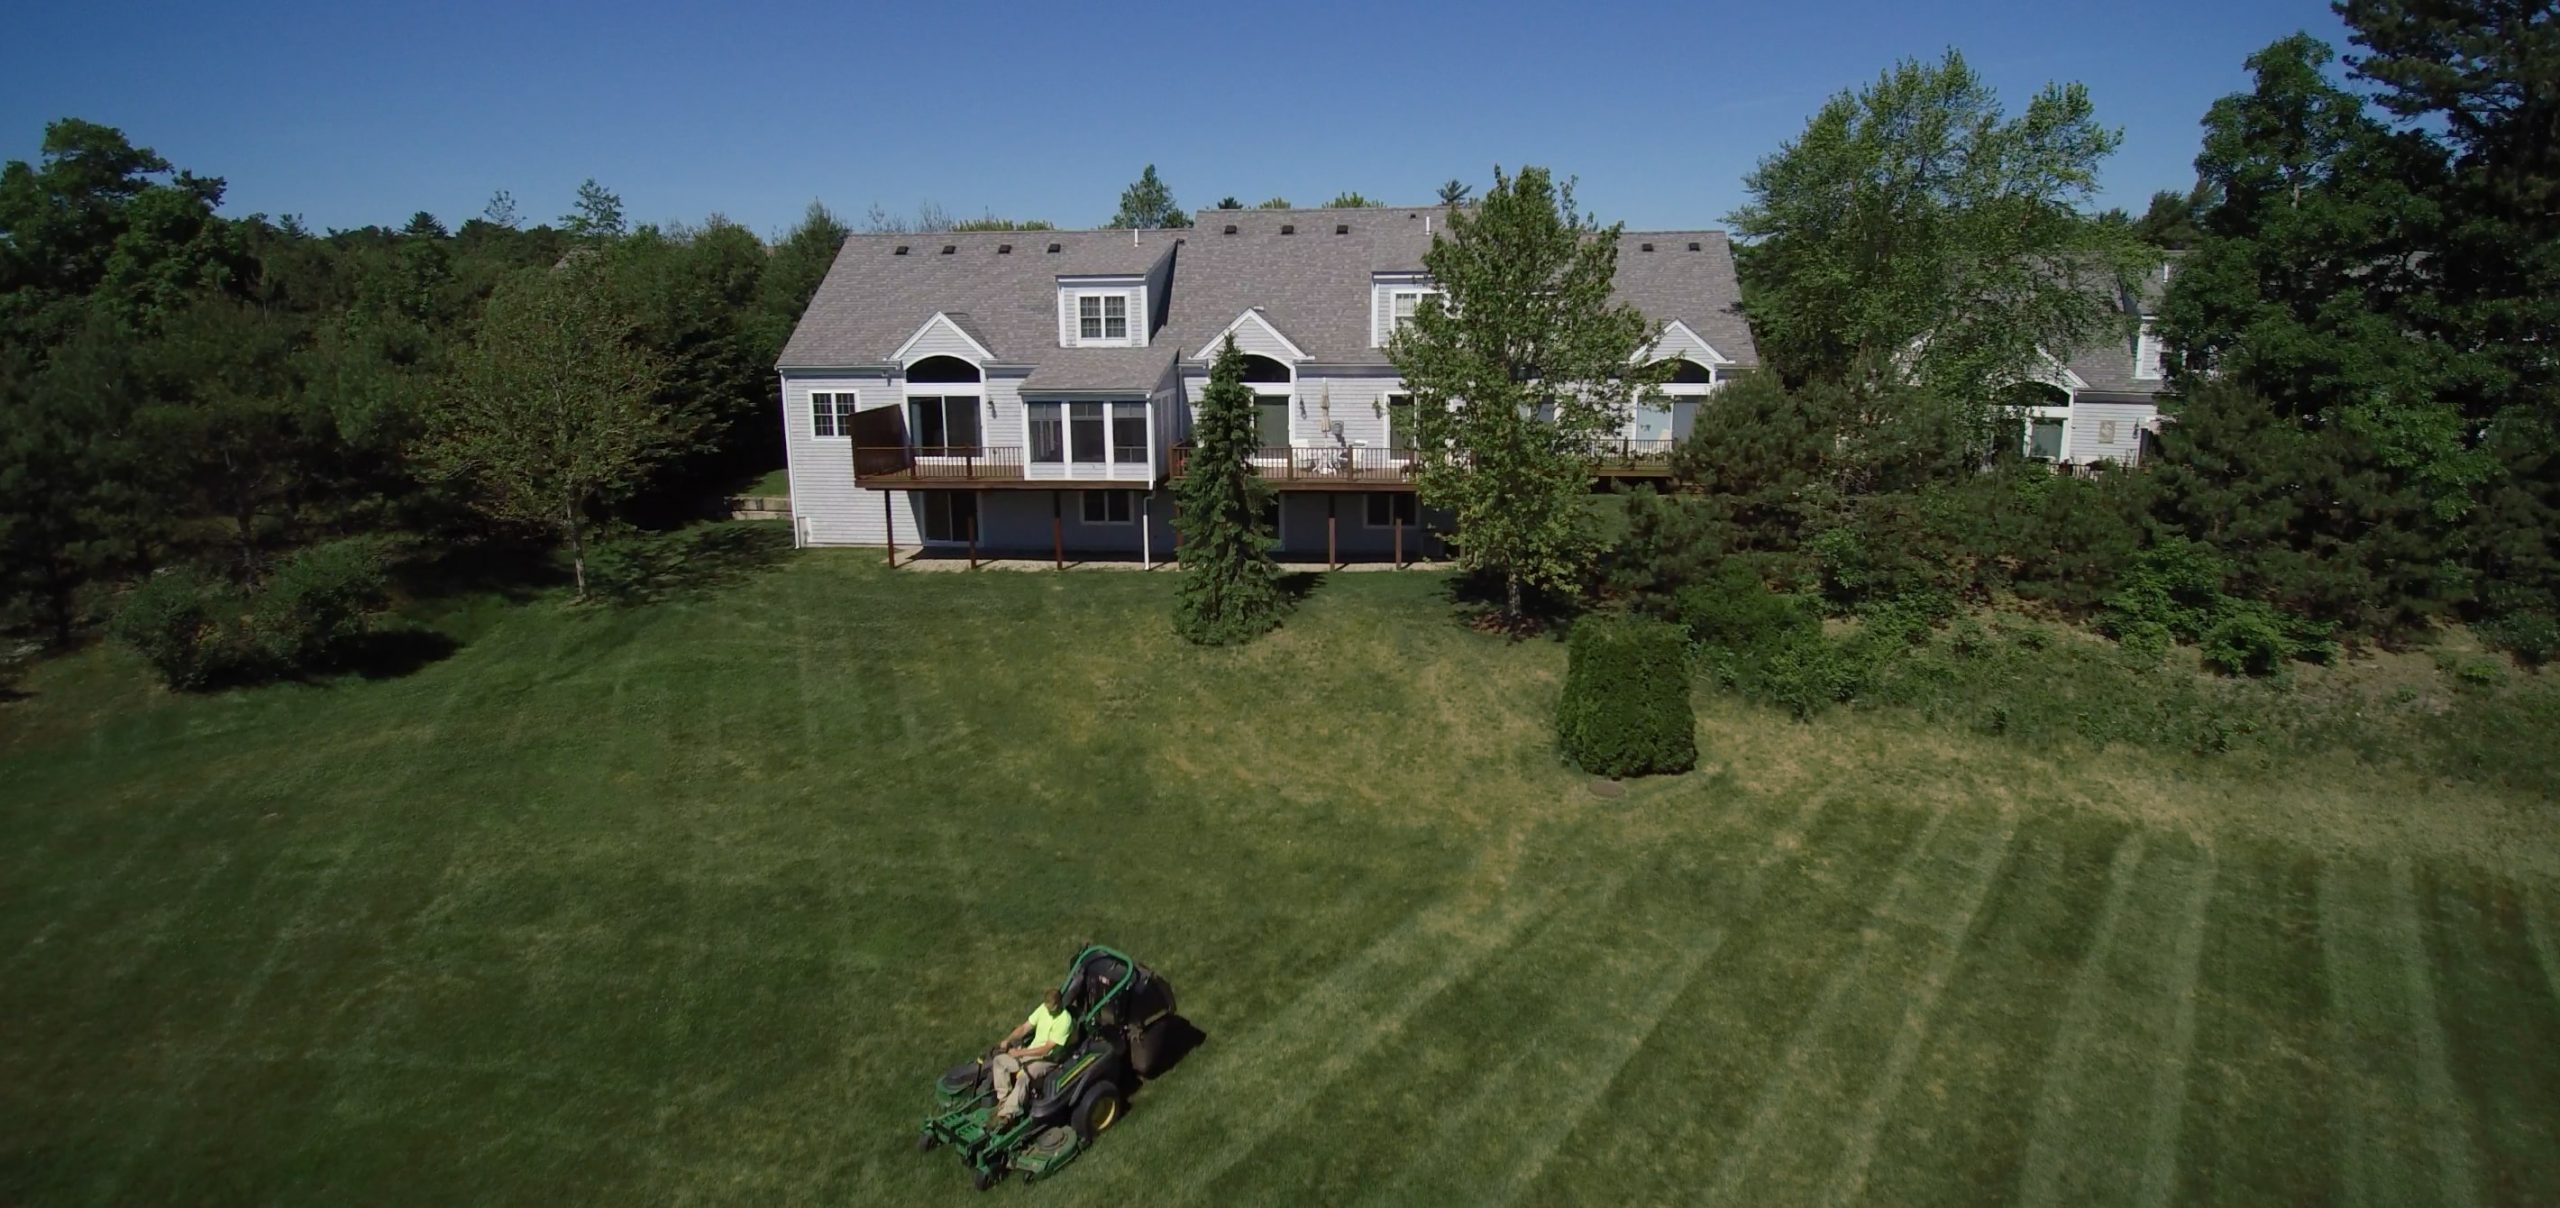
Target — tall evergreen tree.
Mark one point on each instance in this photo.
(1454, 192)
(1230, 591)
(1516, 377)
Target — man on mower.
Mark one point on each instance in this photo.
(1016, 1065)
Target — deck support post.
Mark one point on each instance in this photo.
(979, 498)
(889, 526)
(1398, 525)
(1146, 531)
(1058, 528)
(1332, 552)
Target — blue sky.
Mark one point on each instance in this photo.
(353, 113)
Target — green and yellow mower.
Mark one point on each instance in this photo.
(1124, 1022)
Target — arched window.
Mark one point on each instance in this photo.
(1685, 372)
(1673, 416)
(1272, 383)
(943, 397)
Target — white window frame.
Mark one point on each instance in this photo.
(1132, 299)
(837, 408)
(1084, 511)
(1397, 294)
(2027, 437)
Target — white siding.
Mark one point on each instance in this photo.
(826, 508)
(2108, 431)
(1070, 328)
(941, 339)
(1255, 338)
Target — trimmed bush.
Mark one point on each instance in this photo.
(1626, 707)
(1733, 611)
(182, 624)
(317, 603)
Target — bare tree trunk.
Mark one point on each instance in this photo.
(1511, 598)
(577, 548)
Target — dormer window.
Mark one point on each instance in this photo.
(1102, 317)
(1102, 312)
(2146, 354)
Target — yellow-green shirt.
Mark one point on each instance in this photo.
(1049, 1029)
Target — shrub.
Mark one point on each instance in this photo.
(1734, 611)
(183, 624)
(1625, 710)
(316, 603)
(2171, 588)
(2245, 640)
(2533, 636)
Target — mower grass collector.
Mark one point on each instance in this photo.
(1121, 1012)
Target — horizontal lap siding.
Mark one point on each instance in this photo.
(1359, 403)
(1302, 528)
(1255, 339)
(826, 507)
(2089, 431)
(941, 339)
(1019, 522)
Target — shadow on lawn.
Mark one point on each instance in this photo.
(654, 567)
(1476, 599)
(395, 651)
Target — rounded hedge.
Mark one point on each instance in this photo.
(1626, 707)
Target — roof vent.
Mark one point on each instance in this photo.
(902, 250)
(1004, 249)
(1644, 247)
(1288, 228)
(1342, 228)
(1231, 228)
(949, 248)
(1693, 247)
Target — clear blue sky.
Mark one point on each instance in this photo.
(353, 113)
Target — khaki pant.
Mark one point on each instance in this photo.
(1013, 1079)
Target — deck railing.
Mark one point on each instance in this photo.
(1319, 463)
(1622, 451)
(937, 463)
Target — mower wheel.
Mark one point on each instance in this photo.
(1099, 1109)
(925, 1141)
(987, 1179)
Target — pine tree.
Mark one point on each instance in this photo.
(1147, 204)
(1230, 590)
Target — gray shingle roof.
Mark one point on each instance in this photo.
(1311, 283)
(874, 298)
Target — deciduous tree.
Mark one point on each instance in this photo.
(551, 414)
(1516, 375)
(1147, 205)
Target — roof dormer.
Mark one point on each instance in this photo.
(1102, 312)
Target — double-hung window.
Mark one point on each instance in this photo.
(944, 425)
(1403, 304)
(1109, 507)
(1048, 434)
(830, 415)
(1102, 317)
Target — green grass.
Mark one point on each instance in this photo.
(691, 900)
(774, 485)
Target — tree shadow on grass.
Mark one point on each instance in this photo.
(395, 651)
(1476, 600)
(517, 570)
(655, 567)
(1296, 586)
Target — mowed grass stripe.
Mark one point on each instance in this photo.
(2262, 1090)
(2067, 1068)
(1997, 1019)
(2390, 1145)
(2546, 952)
(1266, 1080)
(2440, 1104)
(2169, 1081)
(1817, 1066)
(2498, 1013)
(1625, 1034)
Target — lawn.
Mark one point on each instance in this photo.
(690, 899)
